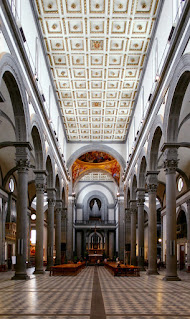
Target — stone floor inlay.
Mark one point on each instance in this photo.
(144, 297)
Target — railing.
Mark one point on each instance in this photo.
(95, 222)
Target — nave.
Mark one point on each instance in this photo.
(94, 293)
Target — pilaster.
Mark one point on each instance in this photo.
(58, 232)
(140, 210)
(40, 183)
(50, 236)
(133, 212)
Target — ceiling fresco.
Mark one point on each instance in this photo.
(80, 167)
(96, 51)
(96, 157)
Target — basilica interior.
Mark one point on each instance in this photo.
(94, 164)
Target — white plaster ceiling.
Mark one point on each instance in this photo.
(96, 51)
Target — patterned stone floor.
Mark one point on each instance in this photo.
(46, 297)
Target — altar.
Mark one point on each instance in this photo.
(94, 255)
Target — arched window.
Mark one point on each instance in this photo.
(180, 184)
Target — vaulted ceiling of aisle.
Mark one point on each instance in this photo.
(96, 51)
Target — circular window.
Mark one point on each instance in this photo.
(180, 184)
(11, 185)
(33, 216)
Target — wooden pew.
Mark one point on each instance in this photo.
(122, 270)
(66, 269)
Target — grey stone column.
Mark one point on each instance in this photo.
(170, 164)
(140, 213)
(84, 241)
(29, 232)
(2, 232)
(188, 235)
(121, 227)
(111, 244)
(58, 232)
(22, 162)
(63, 225)
(50, 234)
(133, 211)
(128, 235)
(40, 187)
(152, 184)
(69, 243)
(106, 242)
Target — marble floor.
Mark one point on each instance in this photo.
(94, 293)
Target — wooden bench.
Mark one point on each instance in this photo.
(122, 270)
(66, 269)
(3, 268)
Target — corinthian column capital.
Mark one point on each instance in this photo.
(152, 181)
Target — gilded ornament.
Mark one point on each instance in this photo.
(73, 5)
(50, 5)
(143, 5)
(54, 26)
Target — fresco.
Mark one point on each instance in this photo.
(96, 157)
(97, 161)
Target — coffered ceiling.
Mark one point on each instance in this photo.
(96, 51)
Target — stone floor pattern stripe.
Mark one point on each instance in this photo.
(94, 292)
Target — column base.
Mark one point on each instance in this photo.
(171, 278)
(48, 267)
(20, 277)
(39, 272)
(150, 272)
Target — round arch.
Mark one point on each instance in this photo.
(94, 171)
(10, 73)
(133, 187)
(96, 147)
(178, 86)
(39, 158)
(35, 123)
(50, 173)
(141, 170)
(95, 183)
(153, 148)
